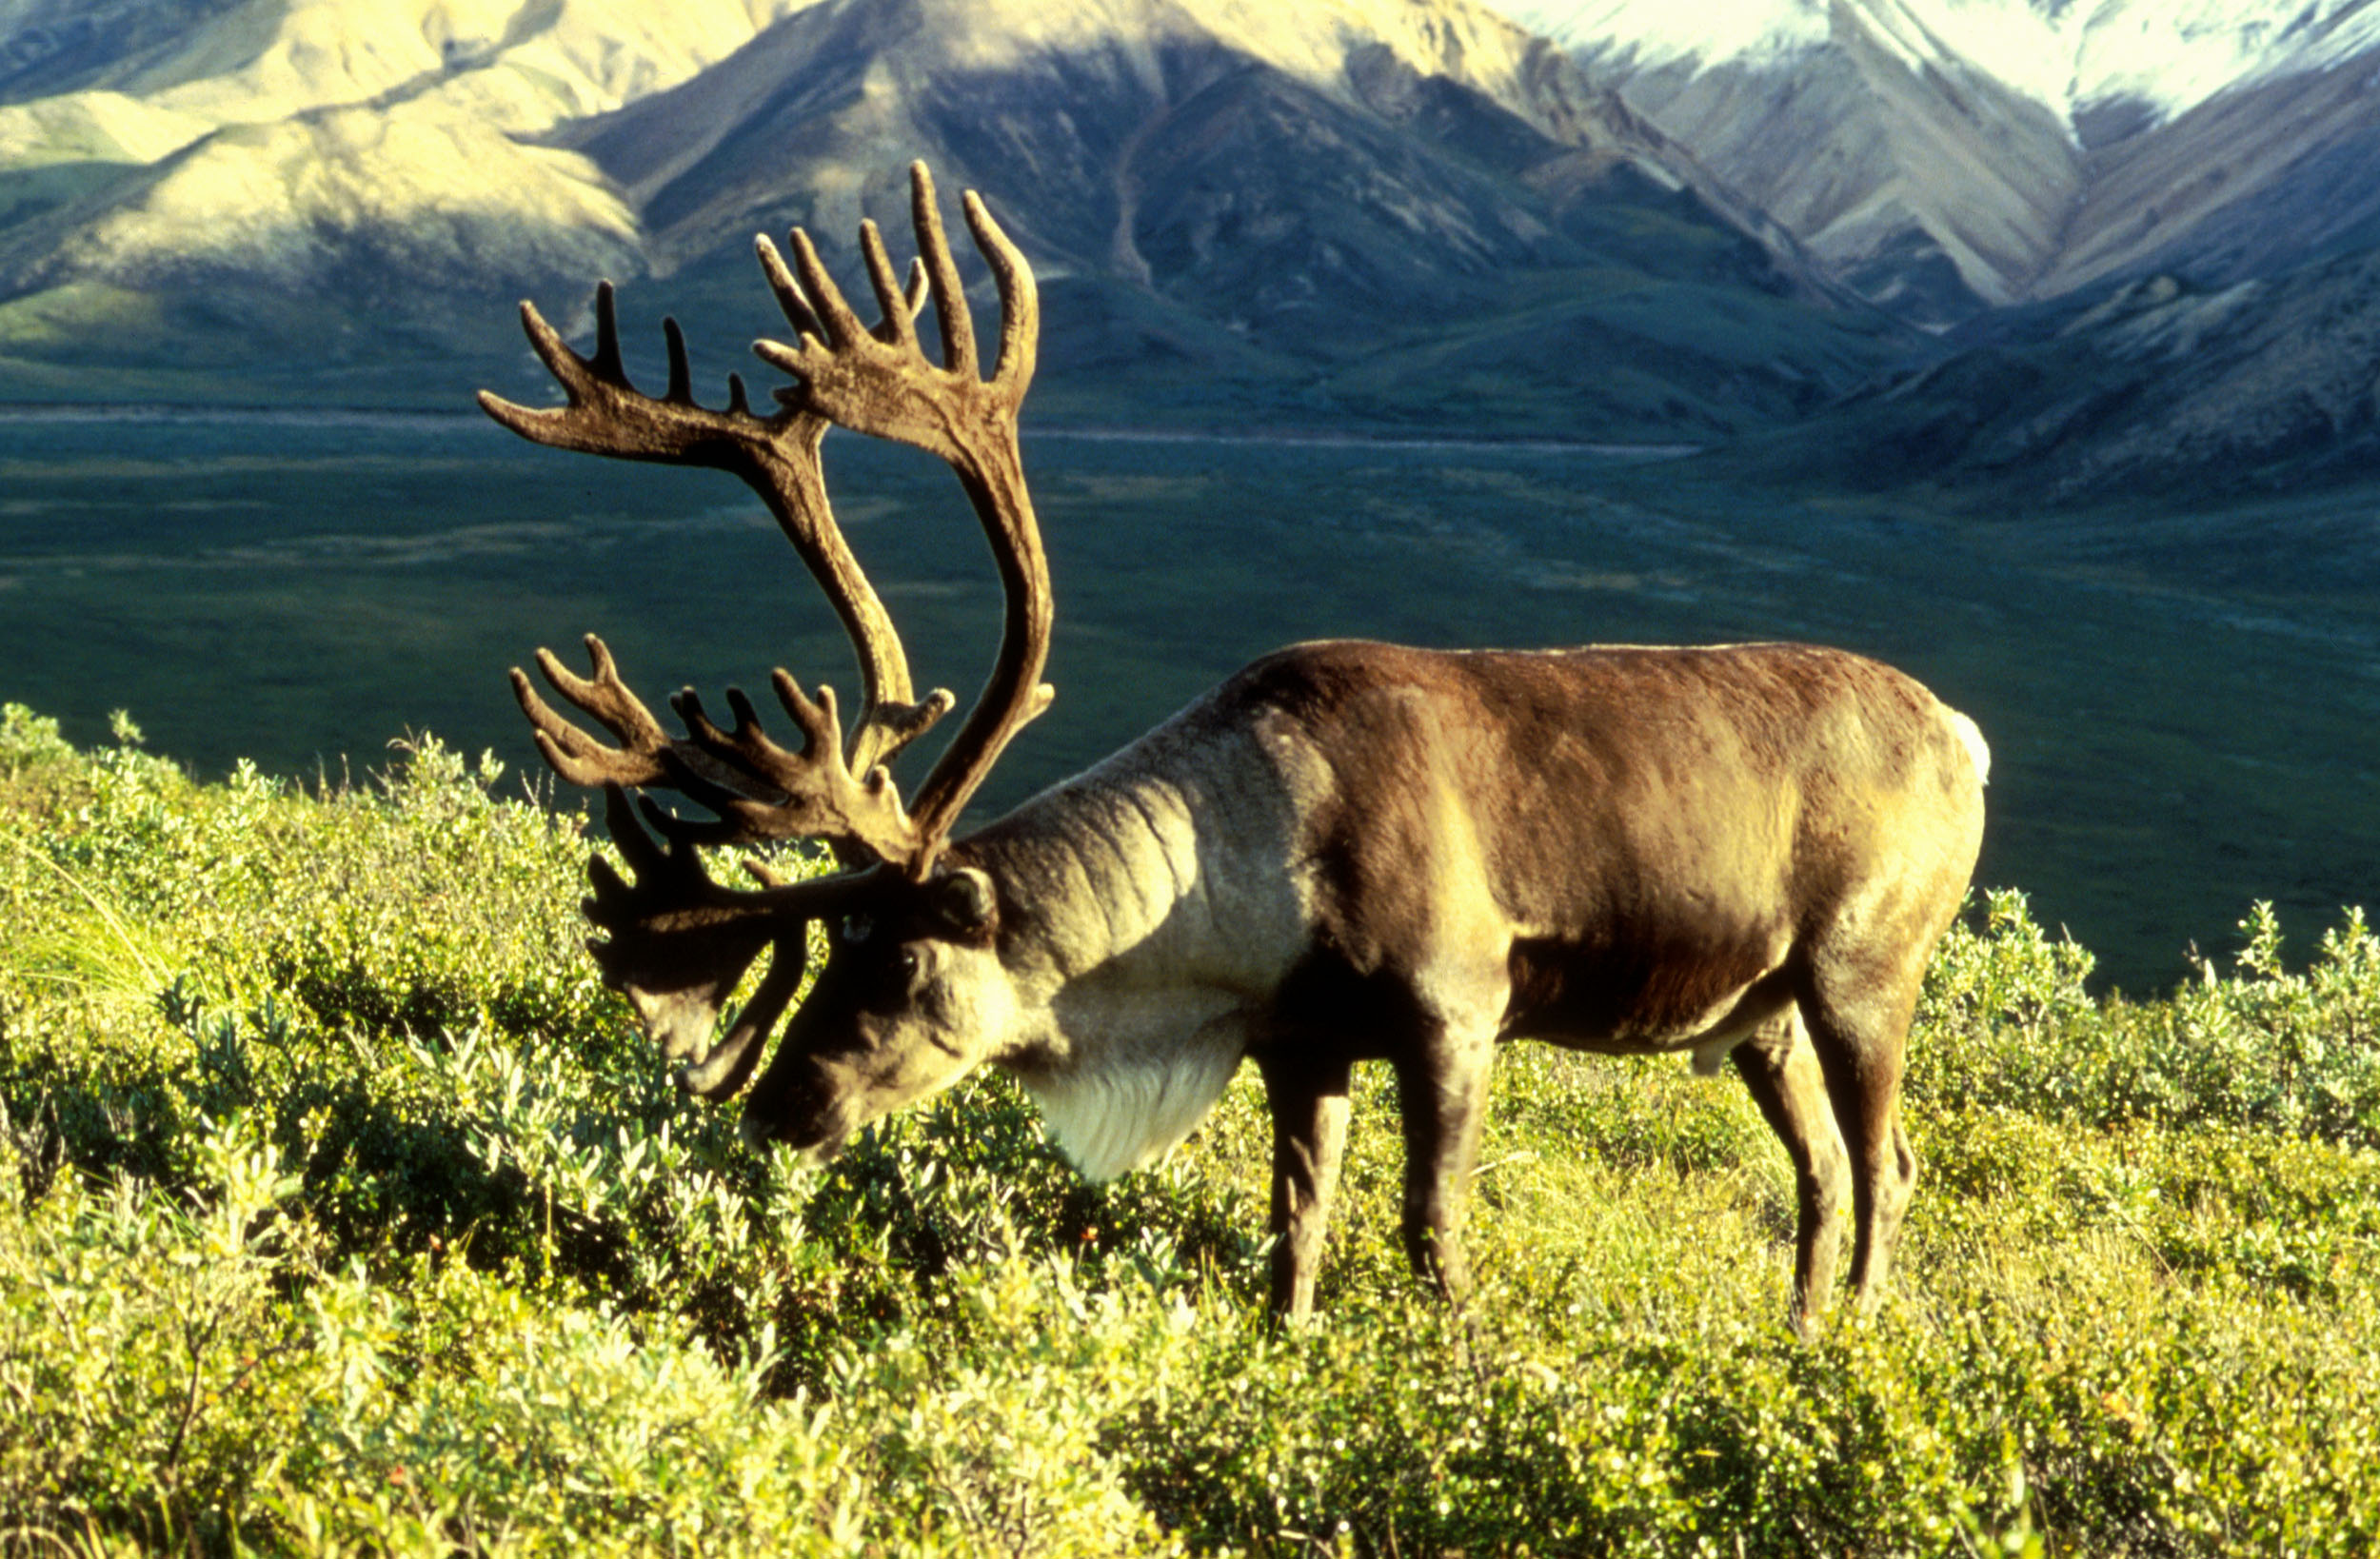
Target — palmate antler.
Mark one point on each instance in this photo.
(744, 778)
(881, 383)
(679, 942)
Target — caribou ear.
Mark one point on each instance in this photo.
(965, 902)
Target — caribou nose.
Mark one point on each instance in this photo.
(760, 1131)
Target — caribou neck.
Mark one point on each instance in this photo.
(1147, 891)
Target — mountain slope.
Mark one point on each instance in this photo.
(1946, 156)
(2137, 226)
(2150, 388)
(1269, 197)
(2249, 182)
(1381, 175)
(281, 169)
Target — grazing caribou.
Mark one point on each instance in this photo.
(1346, 852)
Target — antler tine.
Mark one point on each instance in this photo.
(790, 301)
(898, 314)
(677, 944)
(817, 793)
(606, 362)
(885, 729)
(573, 754)
(551, 425)
(838, 326)
(723, 1073)
(950, 294)
(646, 755)
(1019, 300)
(681, 391)
(605, 414)
(900, 303)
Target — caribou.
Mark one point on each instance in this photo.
(1347, 852)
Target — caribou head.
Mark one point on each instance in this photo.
(904, 1006)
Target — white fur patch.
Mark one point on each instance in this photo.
(1132, 1113)
(1972, 735)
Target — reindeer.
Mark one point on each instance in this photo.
(1346, 852)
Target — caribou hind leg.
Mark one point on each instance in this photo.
(1442, 1096)
(1781, 1071)
(1859, 1030)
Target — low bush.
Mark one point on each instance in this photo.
(346, 1213)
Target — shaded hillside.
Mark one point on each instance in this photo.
(1223, 237)
(2158, 386)
(1947, 158)
(1671, 226)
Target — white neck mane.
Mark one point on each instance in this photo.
(1131, 1112)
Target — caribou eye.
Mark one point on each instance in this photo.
(909, 964)
(856, 928)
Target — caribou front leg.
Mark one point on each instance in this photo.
(1309, 1106)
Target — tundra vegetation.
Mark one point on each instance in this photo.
(348, 1212)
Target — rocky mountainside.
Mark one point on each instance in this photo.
(2147, 231)
(2088, 241)
(1350, 206)
(2154, 388)
(1949, 156)
(211, 181)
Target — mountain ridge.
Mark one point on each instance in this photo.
(1317, 184)
(2032, 146)
(1402, 212)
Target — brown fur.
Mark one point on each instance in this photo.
(1746, 850)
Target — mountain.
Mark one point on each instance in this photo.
(1372, 202)
(212, 184)
(2157, 388)
(1950, 156)
(2075, 245)
(2145, 232)
(1350, 206)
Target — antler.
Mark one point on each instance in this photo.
(784, 795)
(679, 942)
(881, 383)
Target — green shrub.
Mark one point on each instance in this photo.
(349, 1215)
(2007, 1023)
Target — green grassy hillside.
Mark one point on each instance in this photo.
(346, 1213)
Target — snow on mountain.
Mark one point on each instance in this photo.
(1241, 197)
(1255, 194)
(2164, 56)
(849, 92)
(1653, 33)
(2171, 55)
(1950, 156)
(302, 126)
(250, 61)
(1643, 223)
(93, 127)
